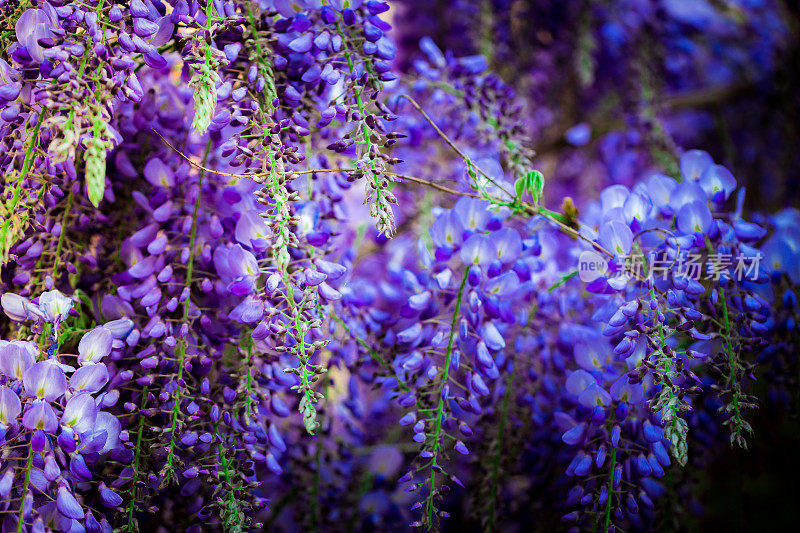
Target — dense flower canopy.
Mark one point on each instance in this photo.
(277, 265)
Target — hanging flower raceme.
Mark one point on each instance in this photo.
(257, 274)
(55, 424)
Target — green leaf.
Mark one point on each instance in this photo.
(532, 182)
(519, 187)
(536, 184)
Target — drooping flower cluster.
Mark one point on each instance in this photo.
(257, 275)
(613, 89)
(54, 418)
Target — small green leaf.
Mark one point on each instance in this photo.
(519, 187)
(536, 184)
(533, 183)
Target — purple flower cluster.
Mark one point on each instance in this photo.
(258, 276)
(615, 89)
(54, 418)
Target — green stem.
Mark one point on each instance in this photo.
(187, 283)
(81, 71)
(565, 278)
(732, 364)
(301, 324)
(25, 485)
(136, 459)
(665, 366)
(26, 167)
(249, 400)
(610, 489)
(270, 92)
(232, 508)
(501, 428)
(61, 237)
(367, 131)
(440, 407)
